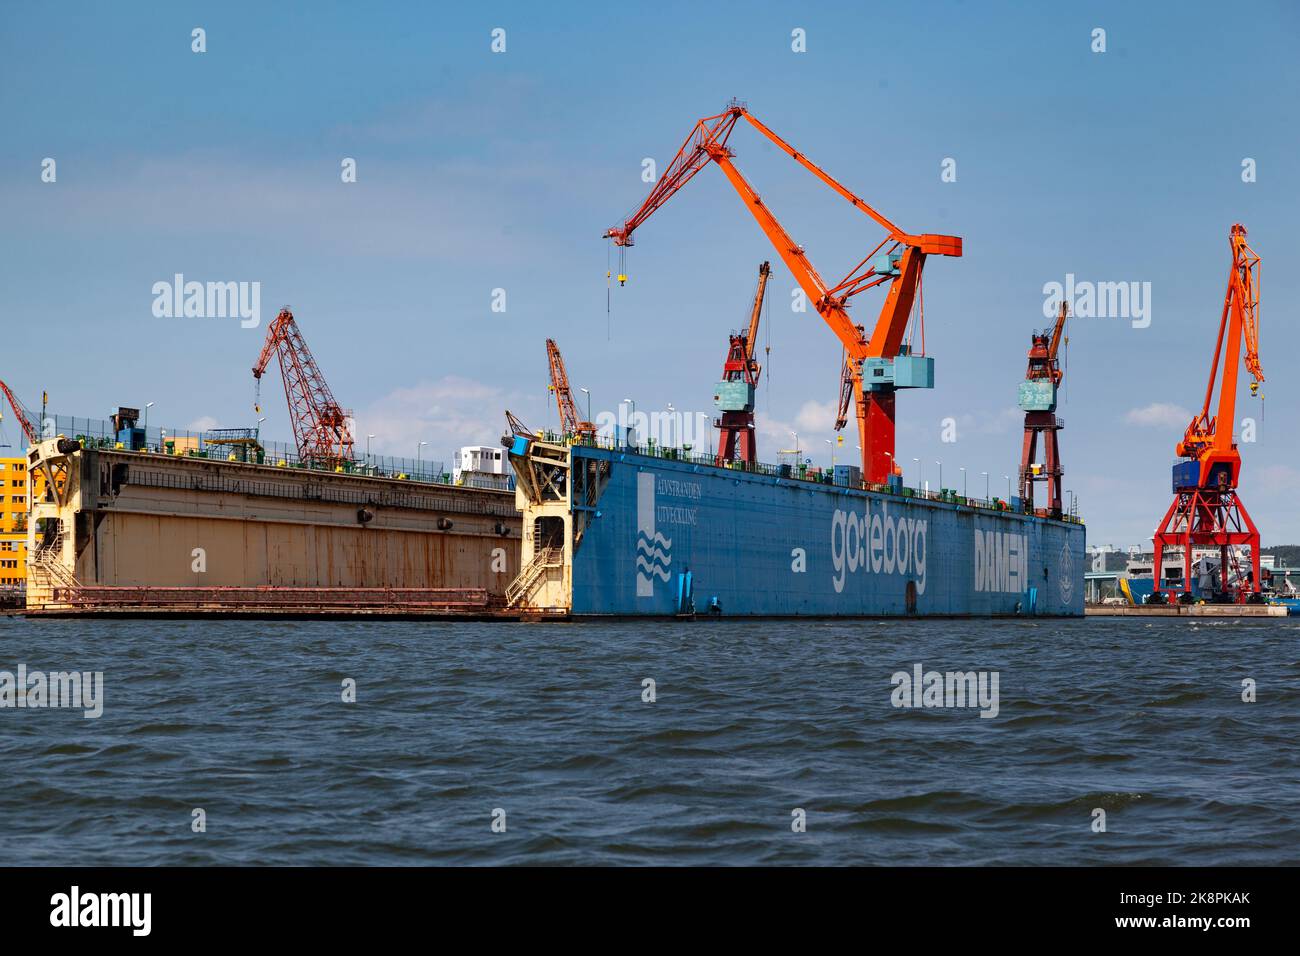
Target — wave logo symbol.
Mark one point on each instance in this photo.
(654, 551)
(1065, 574)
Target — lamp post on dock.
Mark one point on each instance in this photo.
(368, 437)
(147, 406)
(631, 420)
(963, 481)
(418, 448)
(986, 485)
(940, 464)
(1008, 478)
(587, 392)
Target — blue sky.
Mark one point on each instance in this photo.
(479, 171)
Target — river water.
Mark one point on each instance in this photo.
(767, 742)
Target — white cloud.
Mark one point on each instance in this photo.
(1003, 420)
(206, 423)
(446, 413)
(816, 416)
(1159, 413)
(1280, 479)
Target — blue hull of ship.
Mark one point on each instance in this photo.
(666, 535)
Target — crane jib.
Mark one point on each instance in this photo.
(886, 344)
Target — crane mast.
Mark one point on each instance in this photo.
(734, 395)
(570, 424)
(1206, 511)
(1038, 401)
(321, 428)
(881, 362)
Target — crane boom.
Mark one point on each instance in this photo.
(1238, 322)
(570, 423)
(899, 260)
(321, 428)
(751, 336)
(846, 393)
(1054, 347)
(1204, 440)
(23, 415)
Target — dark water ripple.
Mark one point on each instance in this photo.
(1141, 719)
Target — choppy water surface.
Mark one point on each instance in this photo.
(752, 720)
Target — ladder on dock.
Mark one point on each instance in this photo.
(523, 585)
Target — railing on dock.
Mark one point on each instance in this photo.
(813, 475)
(214, 444)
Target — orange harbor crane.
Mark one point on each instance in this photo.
(734, 395)
(23, 414)
(1206, 510)
(321, 428)
(879, 363)
(1038, 401)
(570, 423)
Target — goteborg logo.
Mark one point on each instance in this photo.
(877, 543)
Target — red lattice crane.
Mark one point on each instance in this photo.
(734, 395)
(1206, 511)
(23, 414)
(1038, 401)
(321, 428)
(570, 423)
(881, 362)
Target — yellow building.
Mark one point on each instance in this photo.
(15, 505)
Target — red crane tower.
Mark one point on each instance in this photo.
(1038, 400)
(882, 362)
(321, 428)
(570, 424)
(23, 414)
(1206, 510)
(734, 395)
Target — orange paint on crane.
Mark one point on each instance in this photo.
(706, 143)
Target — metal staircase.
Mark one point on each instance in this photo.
(50, 573)
(528, 578)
